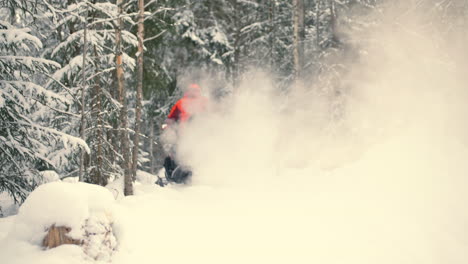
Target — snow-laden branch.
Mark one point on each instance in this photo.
(66, 138)
(8, 154)
(32, 88)
(52, 79)
(72, 66)
(155, 36)
(28, 61)
(70, 40)
(100, 73)
(112, 19)
(254, 26)
(159, 11)
(58, 110)
(19, 37)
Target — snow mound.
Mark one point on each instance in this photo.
(49, 176)
(60, 204)
(86, 209)
(145, 177)
(100, 242)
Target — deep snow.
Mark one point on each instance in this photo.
(408, 213)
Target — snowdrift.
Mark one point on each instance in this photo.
(85, 209)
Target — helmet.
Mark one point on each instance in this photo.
(193, 90)
(194, 86)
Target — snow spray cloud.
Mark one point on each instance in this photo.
(386, 184)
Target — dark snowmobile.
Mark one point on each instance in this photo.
(174, 173)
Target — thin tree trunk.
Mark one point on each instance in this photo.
(101, 179)
(136, 138)
(271, 20)
(236, 46)
(12, 15)
(71, 26)
(128, 183)
(83, 85)
(299, 34)
(333, 16)
(151, 146)
(317, 22)
(113, 134)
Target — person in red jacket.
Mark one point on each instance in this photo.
(192, 103)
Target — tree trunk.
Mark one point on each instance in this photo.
(12, 15)
(236, 45)
(333, 16)
(136, 139)
(72, 28)
(271, 21)
(102, 180)
(299, 35)
(128, 183)
(98, 177)
(317, 22)
(113, 134)
(83, 85)
(57, 236)
(151, 146)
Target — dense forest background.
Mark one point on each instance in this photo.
(85, 85)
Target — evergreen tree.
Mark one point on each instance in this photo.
(27, 143)
(91, 68)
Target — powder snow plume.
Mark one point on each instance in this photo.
(383, 184)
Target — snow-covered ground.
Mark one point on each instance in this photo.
(5, 225)
(7, 205)
(402, 201)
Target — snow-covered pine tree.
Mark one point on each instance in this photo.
(26, 138)
(121, 86)
(139, 87)
(280, 38)
(102, 107)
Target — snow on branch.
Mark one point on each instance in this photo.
(254, 26)
(251, 3)
(66, 138)
(72, 67)
(155, 36)
(71, 40)
(100, 73)
(127, 60)
(19, 37)
(31, 63)
(34, 89)
(129, 38)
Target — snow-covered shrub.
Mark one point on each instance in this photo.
(99, 241)
(145, 178)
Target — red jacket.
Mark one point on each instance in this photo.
(187, 106)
